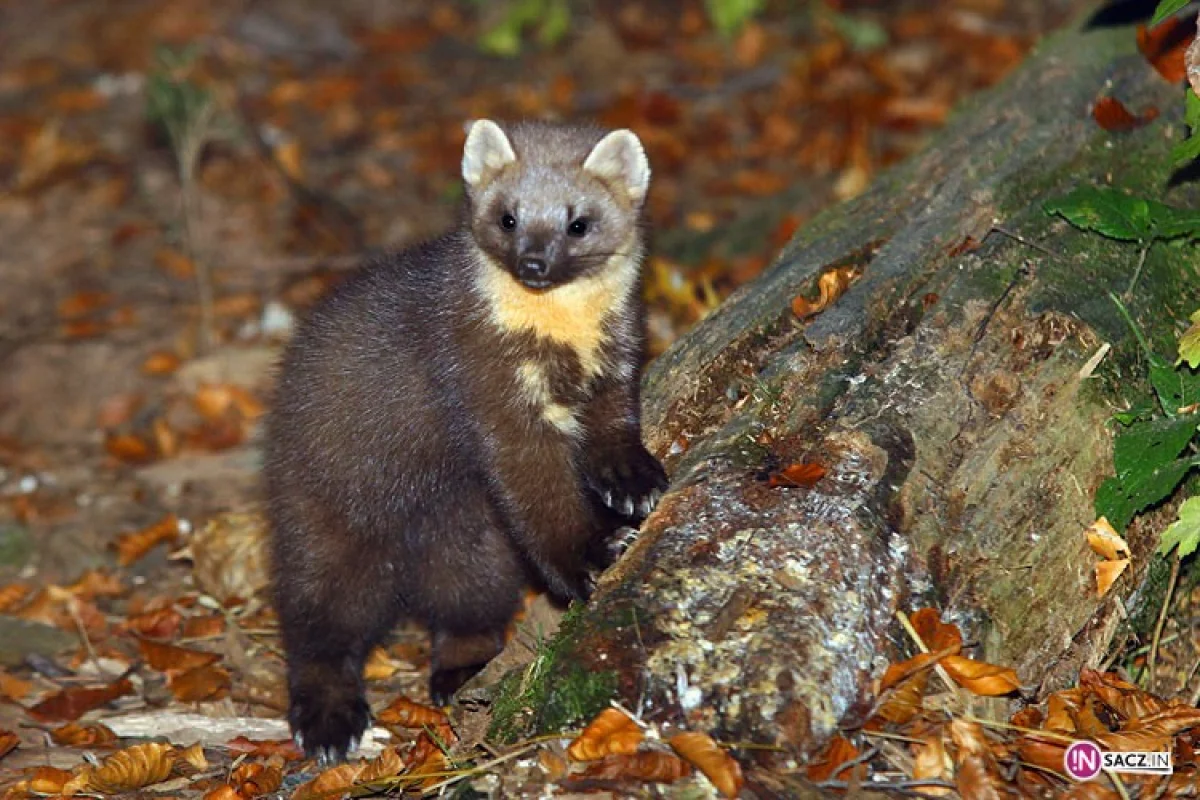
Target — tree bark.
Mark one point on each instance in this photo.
(949, 397)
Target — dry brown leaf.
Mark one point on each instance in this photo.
(83, 303)
(831, 285)
(72, 703)
(161, 623)
(329, 784)
(206, 627)
(253, 779)
(172, 658)
(1164, 47)
(981, 678)
(385, 765)
(904, 700)
(936, 635)
(132, 768)
(8, 742)
(704, 754)
(836, 752)
(224, 792)
(12, 596)
(229, 556)
(803, 473)
(75, 735)
(612, 732)
(379, 666)
(49, 780)
(977, 774)
(652, 766)
(13, 687)
(213, 400)
(174, 263)
(97, 583)
(203, 683)
(161, 363)
(1105, 541)
(932, 762)
(1112, 115)
(1107, 573)
(129, 448)
(286, 748)
(405, 713)
(895, 674)
(133, 546)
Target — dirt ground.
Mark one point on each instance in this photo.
(128, 424)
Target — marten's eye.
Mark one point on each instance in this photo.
(578, 227)
(508, 222)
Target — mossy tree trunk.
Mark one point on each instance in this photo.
(948, 396)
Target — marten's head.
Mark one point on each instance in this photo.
(551, 204)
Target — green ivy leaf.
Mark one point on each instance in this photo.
(1144, 446)
(1184, 533)
(1120, 499)
(1122, 216)
(1142, 409)
(1177, 387)
(1165, 9)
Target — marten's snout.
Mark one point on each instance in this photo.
(533, 271)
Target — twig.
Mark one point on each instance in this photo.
(1152, 659)
(912, 633)
(1137, 273)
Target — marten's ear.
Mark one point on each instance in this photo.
(619, 160)
(486, 152)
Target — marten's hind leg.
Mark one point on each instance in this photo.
(468, 584)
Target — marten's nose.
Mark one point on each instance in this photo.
(532, 270)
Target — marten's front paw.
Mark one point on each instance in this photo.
(328, 726)
(630, 484)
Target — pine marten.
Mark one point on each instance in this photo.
(458, 419)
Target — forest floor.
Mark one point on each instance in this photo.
(129, 547)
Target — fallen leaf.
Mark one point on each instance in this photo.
(379, 666)
(904, 700)
(204, 683)
(49, 780)
(1105, 541)
(14, 688)
(285, 748)
(172, 658)
(175, 263)
(329, 784)
(804, 474)
(132, 768)
(253, 779)
(1112, 115)
(128, 448)
(161, 363)
(96, 583)
(981, 678)
(824, 765)
(13, 595)
(831, 285)
(133, 546)
(224, 792)
(72, 703)
(936, 635)
(229, 556)
(83, 303)
(653, 767)
(75, 735)
(405, 713)
(193, 756)
(205, 627)
(8, 742)
(932, 762)
(612, 732)
(1164, 47)
(705, 755)
(385, 765)
(162, 623)
(1107, 573)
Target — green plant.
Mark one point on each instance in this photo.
(728, 16)
(188, 114)
(550, 18)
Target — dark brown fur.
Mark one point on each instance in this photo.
(440, 438)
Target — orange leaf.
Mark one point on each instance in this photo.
(329, 784)
(1112, 115)
(905, 698)
(705, 755)
(1105, 541)
(172, 658)
(175, 263)
(96, 583)
(75, 735)
(132, 768)
(981, 678)
(831, 285)
(12, 595)
(160, 363)
(203, 627)
(14, 688)
(612, 732)
(653, 767)
(1107, 573)
(406, 713)
(49, 780)
(824, 765)
(133, 546)
(921, 662)
(72, 703)
(162, 623)
(203, 683)
(83, 303)
(128, 448)
(285, 748)
(223, 792)
(8, 742)
(936, 635)
(384, 765)
(803, 473)
(1164, 46)
(252, 779)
